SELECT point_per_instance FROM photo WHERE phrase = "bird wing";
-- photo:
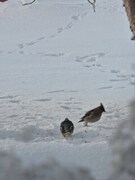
(71, 127)
(89, 113)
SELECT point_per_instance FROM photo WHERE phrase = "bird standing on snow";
(66, 127)
(93, 115)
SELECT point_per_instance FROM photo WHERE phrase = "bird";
(67, 128)
(93, 115)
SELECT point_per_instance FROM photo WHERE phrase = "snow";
(41, 172)
(124, 149)
(59, 59)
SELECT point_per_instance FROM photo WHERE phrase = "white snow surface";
(59, 59)
(124, 149)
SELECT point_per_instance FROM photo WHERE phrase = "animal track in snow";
(119, 76)
(21, 46)
(12, 116)
(90, 60)
(30, 43)
(41, 38)
(54, 54)
(66, 107)
(15, 101)
(8, 97)
(59, 30)
(114, 71)
(62, 90)
(72, 108)
(43, 100)
(70, 24)
(75, 17)
(57, 91)
(105, 87)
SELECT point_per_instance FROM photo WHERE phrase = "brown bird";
(93, 115)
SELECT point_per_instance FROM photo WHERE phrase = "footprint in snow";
(8, 97)
(68, 26)
(15, 101)
(30, 43)
(75, 17)
(41, 38)
(43, 100)
(105, 87)
(21, 46)
(90, 60)
(115, 71)
(59, 30)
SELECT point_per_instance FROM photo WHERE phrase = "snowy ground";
(59, 59)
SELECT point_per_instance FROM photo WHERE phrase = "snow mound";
(12, 168)
(31, 133)
(124, 149)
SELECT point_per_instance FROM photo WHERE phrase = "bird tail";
(81, 120)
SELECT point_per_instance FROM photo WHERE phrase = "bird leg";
(86, 123)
